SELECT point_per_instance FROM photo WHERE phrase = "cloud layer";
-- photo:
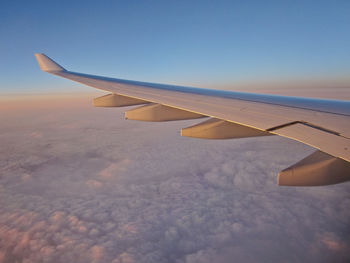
(83, 185)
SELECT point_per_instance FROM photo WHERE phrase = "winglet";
(47, 64)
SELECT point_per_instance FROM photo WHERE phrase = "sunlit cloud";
(79, 187)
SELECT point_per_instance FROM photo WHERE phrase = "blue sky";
(183, 42)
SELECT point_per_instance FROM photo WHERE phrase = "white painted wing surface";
(322, 124)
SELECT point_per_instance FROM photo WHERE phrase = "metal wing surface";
(322, 124)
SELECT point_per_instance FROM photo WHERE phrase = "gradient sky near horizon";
(182, 42)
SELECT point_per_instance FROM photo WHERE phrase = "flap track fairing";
(116, 100)
(221, 129)
(158, 112)
(316, 169)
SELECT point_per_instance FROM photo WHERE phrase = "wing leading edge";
(322, 124)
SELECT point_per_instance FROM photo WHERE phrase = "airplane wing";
(322, 124)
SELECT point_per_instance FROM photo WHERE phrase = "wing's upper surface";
(322, 124)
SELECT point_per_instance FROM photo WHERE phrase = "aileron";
(327, 142)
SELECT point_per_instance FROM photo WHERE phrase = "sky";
(211, 44)
(81, 184)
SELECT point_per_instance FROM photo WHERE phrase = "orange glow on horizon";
(46, 101)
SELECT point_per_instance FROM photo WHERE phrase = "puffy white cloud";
(78, 187)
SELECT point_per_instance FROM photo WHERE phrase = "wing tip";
(47, 64)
